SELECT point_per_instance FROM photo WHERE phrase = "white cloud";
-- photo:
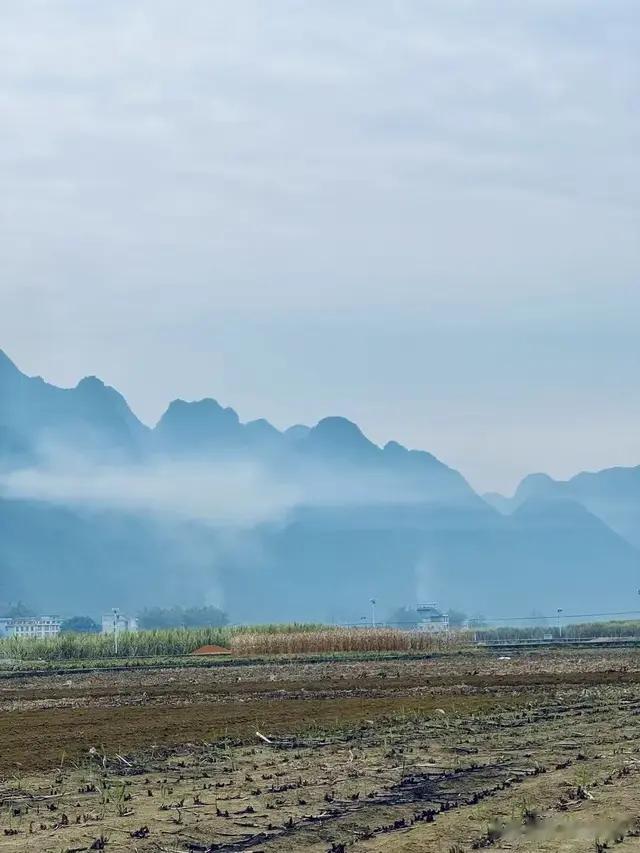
(237, 495)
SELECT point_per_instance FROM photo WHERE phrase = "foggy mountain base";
(98, 510)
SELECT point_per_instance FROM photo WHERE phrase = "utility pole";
(116, 617)
(559, 625)
(373, 613)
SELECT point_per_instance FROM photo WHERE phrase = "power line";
(509, 619)
(555, 616)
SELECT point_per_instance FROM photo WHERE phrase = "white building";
(33, 627)
(116, 621)
(432, 619)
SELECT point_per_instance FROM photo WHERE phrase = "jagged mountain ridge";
(613, 495)
(388, 522)
(93, 419)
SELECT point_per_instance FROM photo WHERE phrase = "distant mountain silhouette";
(36, 416)
(341, 519)
(612, 494)
(546, 555)
(202, 426)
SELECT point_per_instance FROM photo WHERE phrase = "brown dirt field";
(537, 753)
(367, 686)
(39, 739)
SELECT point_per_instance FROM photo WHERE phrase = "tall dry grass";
(244, 640)
(330, 640)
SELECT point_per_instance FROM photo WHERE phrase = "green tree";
(79, 625)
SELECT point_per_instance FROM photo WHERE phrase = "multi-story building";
(116, 621)
(38, 627)
(432, 619)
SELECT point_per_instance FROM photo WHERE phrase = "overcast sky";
(422, 215)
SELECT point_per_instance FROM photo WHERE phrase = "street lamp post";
(373, 613)
(559, 611)
(116, 617)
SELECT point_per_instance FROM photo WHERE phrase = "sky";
(424, 216)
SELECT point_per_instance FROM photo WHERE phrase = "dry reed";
(346, 640)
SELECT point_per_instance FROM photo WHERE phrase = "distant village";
(45, 627)
(429, 618)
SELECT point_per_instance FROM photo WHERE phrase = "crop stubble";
(393, 755)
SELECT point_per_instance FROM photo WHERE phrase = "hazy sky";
(422, 215)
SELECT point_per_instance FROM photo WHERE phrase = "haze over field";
(308, 523)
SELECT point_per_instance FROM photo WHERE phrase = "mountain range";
(99, 510)
(613, 495)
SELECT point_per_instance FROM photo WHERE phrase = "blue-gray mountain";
(351, 520)
(613, 495)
